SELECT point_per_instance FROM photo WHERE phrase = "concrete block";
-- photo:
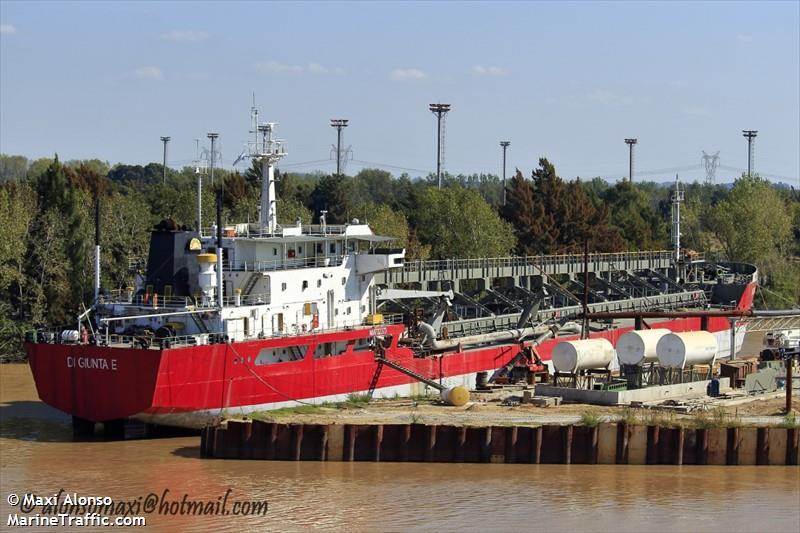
(540, 401)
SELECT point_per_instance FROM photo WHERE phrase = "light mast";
(268, 150)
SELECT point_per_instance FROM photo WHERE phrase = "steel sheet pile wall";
(603, 444)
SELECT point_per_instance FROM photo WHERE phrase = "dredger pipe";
(430, 341)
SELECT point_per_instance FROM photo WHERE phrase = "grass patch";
(590, 418)
(659, 418)
(716, 418)
(630, 415)
(358, 399)
(790, 421)
(288, 411)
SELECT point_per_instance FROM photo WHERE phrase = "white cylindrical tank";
(679, 350)
(207, 279)
(572, 356)
(639, 347)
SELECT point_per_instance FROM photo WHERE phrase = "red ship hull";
(191, 386)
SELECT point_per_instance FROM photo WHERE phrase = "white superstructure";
(274, 280)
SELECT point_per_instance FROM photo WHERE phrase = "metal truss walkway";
(425, 273)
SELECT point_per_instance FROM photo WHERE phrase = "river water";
(38, 456)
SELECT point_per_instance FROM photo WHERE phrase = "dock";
(618, 443)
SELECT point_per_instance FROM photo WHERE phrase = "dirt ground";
(482, 413)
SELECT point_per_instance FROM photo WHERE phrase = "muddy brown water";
(38, 456)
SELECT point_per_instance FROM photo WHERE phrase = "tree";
(12, 167)
(521, 211)
(290, 210)
(17, 211)
(457, 222)
(753, 223)
(60, 199)
(125, 224)
(631, 211)
(551, 216)
(334, 194)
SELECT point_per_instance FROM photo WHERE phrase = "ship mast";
(267, 150)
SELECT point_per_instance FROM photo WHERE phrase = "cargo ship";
(232, 319)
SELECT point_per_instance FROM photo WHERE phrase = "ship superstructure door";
(331, 314)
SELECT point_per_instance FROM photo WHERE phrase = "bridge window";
(319, 283)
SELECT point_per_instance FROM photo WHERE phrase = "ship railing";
(151, 342)
(249, 299)
(256, 231)
(394, 318)
(68, 335)
(541, 261)
(151, 300)
(282, 264)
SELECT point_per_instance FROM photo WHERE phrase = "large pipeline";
(694, 313)
(430, 341)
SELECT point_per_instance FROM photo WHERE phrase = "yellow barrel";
(456, 396)
(206, 258)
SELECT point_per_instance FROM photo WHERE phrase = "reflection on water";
(37, 455)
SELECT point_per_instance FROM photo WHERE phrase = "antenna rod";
(220, 292)
(200, 205)
(165, 140)
(96, 247)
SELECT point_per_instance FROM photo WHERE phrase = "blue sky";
(568, 81)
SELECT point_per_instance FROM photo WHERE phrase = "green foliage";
(333, 194)
(752, 223)
(633, 214)
(551, 216)
(790, 421)
(457, 222)
(289, 211)
(590, 418)
(12, 167)
(358, 399)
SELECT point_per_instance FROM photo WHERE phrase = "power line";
(390, 166)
